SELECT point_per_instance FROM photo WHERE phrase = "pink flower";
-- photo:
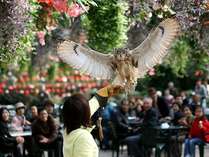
(151, 72)
(41, 37)
(74, 10)
(60, 5)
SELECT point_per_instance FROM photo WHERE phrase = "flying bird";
(124, 66)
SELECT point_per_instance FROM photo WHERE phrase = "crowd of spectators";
(173, 107)
(43, 124)
(129, 117)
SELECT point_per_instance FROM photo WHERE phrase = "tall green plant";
(106, 25)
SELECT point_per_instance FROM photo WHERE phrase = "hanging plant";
(106, 25)
(14, 19)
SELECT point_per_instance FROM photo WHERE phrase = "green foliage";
(52, 72)
(178, 60)
(106, 25)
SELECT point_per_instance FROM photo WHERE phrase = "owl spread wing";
(86, 60)
(154, 48)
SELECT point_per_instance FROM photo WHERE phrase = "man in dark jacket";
(150, 120)
(8, 144)
(159, 103)
(45, 133)
(121, 119)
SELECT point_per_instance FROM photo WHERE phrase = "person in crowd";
(188, 116)
(49, 106)
(201, 90)
(195, 102)
(33, 115)
(198, 133)
(19, 121)
(121, 120)
(8, 144)
(175, 142)
(42, 95)
(178, 115)
(132, 106)
(139, 108)
(185, 98)
(205, 83)
(168, 97)
(173, 91)
(150, 120)
(179, 100)
(159, 103)
(107, 114)
(77, 110)
(45, 133)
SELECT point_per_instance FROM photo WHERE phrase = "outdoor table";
(159, 137)
(134, 122)
(21, 133)
(171, 134)
(171, 130)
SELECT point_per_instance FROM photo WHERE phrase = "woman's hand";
(200, 124)
(44, 140)
(20, 139)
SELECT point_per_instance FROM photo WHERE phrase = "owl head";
(122, 54)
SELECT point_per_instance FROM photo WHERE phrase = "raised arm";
(102, 95)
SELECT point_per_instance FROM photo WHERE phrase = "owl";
(124, 66)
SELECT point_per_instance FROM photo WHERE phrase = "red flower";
(49, 2)
(60, 5)
(74, 10)
(198, 73)
(41, 37)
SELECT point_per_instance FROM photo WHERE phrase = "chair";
(116, 142)
(39, 152)
(152, 138)
(43, 152)
(201, 149)
(6, 155)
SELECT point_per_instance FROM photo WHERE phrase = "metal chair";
(201, 149)
(152, 138)
(6, 155)
(116, 141)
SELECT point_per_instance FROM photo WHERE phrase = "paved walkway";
(124, 154)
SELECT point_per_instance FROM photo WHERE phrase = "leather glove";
(110, 90)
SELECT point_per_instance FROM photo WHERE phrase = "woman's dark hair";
(2, 111)
(41, 109)
(48, 103)
(76, 112)
(187, 106)
(199, 107)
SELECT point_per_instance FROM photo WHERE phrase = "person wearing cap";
(77, 111)
(19, 120)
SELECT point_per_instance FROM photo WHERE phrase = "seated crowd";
(130, 117)
(44, 128)
(174, 108)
